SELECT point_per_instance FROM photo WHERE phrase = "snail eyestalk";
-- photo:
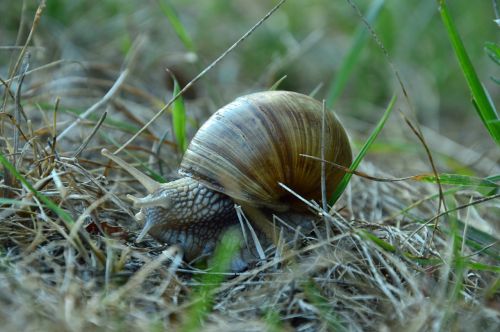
(151, 201)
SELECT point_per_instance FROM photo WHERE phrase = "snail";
(240, 155)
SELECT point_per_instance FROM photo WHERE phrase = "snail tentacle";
(151, 201)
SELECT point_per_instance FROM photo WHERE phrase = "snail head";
(177, 207)
(158, 205)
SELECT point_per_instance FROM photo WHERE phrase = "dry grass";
(371, 265)
(91, 276)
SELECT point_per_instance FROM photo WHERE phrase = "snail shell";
(249, 146)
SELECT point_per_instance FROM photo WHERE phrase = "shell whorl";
(247, 147)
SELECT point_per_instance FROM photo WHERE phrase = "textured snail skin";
(240, 155)
(193, 217)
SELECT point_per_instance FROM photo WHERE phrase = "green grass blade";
(203, 295)
(426, 261)
(378, 241)
(475, 239)
(483, 267)
(324, 306)
(494, 122)
(345, 180)
(273, 321)
(493, 178)
(277, 83)
(455, 261)
(352, 56)
(386, 246)
(458, 180)
(176, 23)
(47, 201)
(493, 51)
(484, 106)
(179, 119)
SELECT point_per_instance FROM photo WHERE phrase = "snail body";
(241, 155)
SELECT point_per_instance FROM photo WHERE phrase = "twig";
(19, 109)
(465, 155)
(477, 201)
(54, 125)
(129, 62)
(107, 97)
(46, 66)
(407, 98)
(36, 20)
(245, 224)
(419, 135)
(200, 75)
(134, 283)
(323, 164)
(7, 88)
(12, 48)
(359, 173)
(90, 136)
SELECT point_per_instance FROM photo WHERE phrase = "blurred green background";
(305, 40)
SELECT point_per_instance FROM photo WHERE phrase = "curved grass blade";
(169, 12)
(47, 201)
(277, 83)
(179, 119)
(347, 177)
(349, 61)
(203, 295)
(484, 106)
(493, 51)
(458, 180)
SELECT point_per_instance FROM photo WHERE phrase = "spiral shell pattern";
(250, 145)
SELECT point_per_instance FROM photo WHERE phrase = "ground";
(389, 254)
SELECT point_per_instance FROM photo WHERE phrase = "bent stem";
(148, 183)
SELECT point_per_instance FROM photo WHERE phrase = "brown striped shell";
(250, 145)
